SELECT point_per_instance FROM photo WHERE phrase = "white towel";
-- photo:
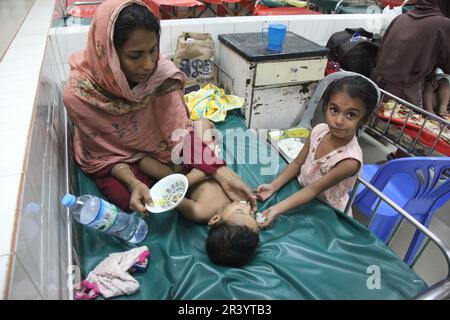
(112, 277)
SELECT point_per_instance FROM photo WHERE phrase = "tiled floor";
(12, 14)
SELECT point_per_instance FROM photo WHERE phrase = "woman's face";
(139, 55)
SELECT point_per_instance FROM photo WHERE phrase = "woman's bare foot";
(430, 110)
(443, 113)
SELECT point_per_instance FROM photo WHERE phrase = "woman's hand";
(270, 214)
(140, 196)
(264, 191)
(234, 187)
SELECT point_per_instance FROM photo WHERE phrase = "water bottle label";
(106, 217)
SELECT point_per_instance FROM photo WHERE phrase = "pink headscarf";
(113, 122)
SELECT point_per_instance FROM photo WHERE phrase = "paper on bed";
(288, 142)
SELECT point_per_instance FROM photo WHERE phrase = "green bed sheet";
(312, 252)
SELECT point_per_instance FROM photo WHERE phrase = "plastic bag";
(195, 57)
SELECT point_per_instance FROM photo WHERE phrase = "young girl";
(331, 158)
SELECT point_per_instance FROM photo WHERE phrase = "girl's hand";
(264, 191)
(140, 196)
(270, 214)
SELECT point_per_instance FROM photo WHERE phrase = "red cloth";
(116, 192)
(82, 10)
(196, 155)
(426, 136)
(156, 4)
(332, 67)
(261, 10)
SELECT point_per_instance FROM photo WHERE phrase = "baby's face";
(239, 213)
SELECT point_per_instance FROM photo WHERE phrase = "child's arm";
(195, 176)
(264, 191)
(158, 170)
(154, 168)
(343, 170)
(194, 211)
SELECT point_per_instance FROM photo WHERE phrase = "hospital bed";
(345, 6)
(42, 259)
(412, 130)
(312, 252)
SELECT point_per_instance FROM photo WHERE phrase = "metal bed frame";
(376, 128)
(382, 129)
(441, 289)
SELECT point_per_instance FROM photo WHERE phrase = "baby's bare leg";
(203, 128)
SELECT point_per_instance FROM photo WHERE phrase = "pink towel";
(112, 277)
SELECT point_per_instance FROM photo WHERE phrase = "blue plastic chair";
(417, 184)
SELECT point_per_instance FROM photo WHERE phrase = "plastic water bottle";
(106, 217)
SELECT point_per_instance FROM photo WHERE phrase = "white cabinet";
(276, 86)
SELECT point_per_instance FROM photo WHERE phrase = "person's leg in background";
(428, 96)
(443, 96)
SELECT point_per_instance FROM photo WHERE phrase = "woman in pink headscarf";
(126, 102)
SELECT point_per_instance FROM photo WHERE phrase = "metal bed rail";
(410, 148)
(440, 290)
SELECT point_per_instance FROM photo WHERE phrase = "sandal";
(444, 115)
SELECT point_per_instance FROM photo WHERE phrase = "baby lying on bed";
(234, 233)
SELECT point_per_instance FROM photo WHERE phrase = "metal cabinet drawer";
(282, 72)
(279, 107)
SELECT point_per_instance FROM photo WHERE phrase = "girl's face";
(139, 55)
(344, 115)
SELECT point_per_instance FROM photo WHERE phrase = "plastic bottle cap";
(69, 200)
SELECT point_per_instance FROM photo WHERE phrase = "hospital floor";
(432, 267)
(12, 14)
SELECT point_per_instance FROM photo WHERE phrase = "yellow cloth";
(211, 103)
(297, 3)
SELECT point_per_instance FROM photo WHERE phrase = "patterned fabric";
(211, 103)
(113, 122)
(314, 169)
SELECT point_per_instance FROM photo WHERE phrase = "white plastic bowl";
(168, 193)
